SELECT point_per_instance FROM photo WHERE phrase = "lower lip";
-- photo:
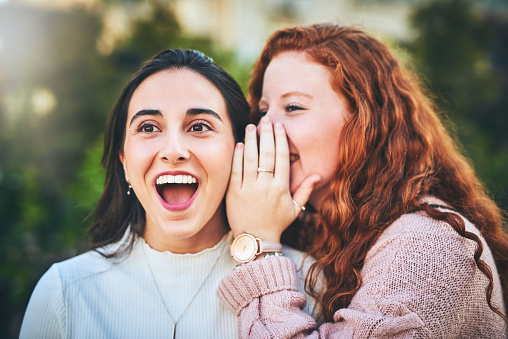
(178, 207)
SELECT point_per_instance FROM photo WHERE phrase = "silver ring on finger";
(298, 205)
(264, 170)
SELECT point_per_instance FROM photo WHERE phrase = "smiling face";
(177, 154)
(297, 92)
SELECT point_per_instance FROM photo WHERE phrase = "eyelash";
(289, 108)
(147, 124)
(206, 124)
(292, 108)
(201, 123)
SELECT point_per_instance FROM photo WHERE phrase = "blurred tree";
(159, 31)
(461, 52)
(51, 109)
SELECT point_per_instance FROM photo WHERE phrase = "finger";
(266, 148)
(235, 182)
(282, 154)
(303, 192)
(250, 156)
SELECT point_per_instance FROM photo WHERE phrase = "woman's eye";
(292, 108)
(148, 128)
(262, 113)
(200, 127)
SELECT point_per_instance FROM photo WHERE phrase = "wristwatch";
(246, 247)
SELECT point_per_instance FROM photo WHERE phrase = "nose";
(175, 148)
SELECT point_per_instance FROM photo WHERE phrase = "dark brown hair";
(394, 150)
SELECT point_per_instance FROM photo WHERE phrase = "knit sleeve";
(415, 285)
(264, 295)
(45, 314)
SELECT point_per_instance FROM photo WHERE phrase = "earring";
(130, 186)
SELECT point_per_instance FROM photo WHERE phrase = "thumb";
(302, 193)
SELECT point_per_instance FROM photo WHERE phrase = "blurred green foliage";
(50, 174)
(462, 54)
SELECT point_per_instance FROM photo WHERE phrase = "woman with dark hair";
(160, 236)
(406, 240)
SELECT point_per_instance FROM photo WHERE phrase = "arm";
(411, 288)
(45, 314)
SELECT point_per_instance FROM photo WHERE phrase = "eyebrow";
(296, 93)
(197, 111)
(293, 93)
(190, 112)
(143, 112)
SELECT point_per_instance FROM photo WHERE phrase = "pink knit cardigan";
(419, 281)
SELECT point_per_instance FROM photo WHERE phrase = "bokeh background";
(64, 62)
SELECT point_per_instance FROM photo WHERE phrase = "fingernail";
(251, 128)
(239, 146)
(278, 126)
(265, 120)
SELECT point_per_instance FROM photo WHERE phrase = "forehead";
(297, 69)
(176, 90)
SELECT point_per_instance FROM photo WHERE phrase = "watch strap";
(269, 246)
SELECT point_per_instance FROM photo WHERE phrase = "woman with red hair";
(407, 242)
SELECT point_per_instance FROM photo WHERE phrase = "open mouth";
(293, 157)
(176, 189)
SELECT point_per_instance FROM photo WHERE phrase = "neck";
(208, 236)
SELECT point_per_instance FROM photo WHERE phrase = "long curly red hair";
(394, 150)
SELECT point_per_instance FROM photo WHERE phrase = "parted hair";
(394, 150)
(117, 212)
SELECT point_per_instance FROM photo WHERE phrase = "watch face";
(244, 248)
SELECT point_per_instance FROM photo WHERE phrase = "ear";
(122, 160)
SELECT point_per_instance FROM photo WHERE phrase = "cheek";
(298, 133)
(318, 148)
(303, 135)
(327, 156)
(138, 156)
(216, 159)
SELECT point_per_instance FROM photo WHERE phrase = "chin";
(176, 231)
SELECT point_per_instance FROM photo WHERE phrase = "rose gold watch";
(246, 247)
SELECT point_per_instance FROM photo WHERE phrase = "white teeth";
(176, 179)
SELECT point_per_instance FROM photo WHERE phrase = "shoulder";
(96, 262)
(424, 266)
(93, 265)
(45, 313)
(82, 266)
(417, 248)
(419, 230)
(76, 268)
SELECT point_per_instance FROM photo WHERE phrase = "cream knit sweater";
(92, 297)
(419, 281)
